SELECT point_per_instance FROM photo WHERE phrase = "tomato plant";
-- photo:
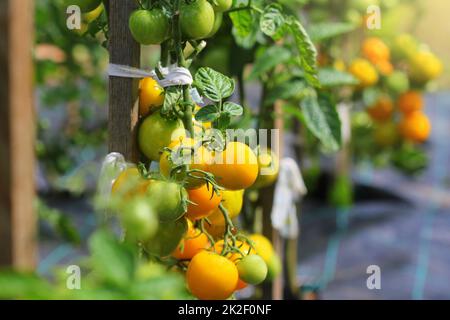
(190, 165)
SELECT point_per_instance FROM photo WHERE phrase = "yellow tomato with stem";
(232, 202)
(192, 243)
(243, 247)
(189, 153)
(203, 201)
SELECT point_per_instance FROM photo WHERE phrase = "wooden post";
(17, 134)
(273, 290)
(123, 109)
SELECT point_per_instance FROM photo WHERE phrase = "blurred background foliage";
(71, 93)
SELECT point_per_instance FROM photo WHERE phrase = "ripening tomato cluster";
(196, 193)
(198, 20)
(397, 79)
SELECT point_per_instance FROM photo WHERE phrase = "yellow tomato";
(185, 151)
(365, 72)
(382, 110)
(211, 277)
(236, 167)
(263, 247)
(425, 66)
(129, 183)
(232, 202)
(415, 127)
(151, 95)
(410, 102)
(192, 243)
(269, 167)
(375, 50)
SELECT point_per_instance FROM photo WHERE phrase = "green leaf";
(329, 77)
(327, 30)
(224, 121)
(233, 109)
(322, 120)
(410, 159)
(272, 57)
(15, 285)
(242, 22)
(285, 91)
(172, 96)
(115, 262)
(207, 114)
(169, 286)
(58, 221)
(272, 20)
(289, 109)
(214, 85)
(308, 53)
(245, 26)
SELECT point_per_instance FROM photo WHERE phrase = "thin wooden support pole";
(123, 109)
(17, 136)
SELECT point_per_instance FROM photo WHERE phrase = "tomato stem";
(203, 230)
(181, 61)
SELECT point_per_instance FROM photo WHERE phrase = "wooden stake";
(17, 134)
(123, 92)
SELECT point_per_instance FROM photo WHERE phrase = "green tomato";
(398, 82)
(252, 269)
(404, 46)
(149, 26)
(150, 270)
(155, 133)
(218, 18)
(168, 199)
(85, 5)
(197, 19)
(274, 267)
(222, 5)
(386, 134)
(167, 238)
(139, 221)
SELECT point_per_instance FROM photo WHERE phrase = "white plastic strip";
(289, 190)
(173, 75)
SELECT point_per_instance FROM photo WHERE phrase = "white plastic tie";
(289, 190)
(173, 75)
